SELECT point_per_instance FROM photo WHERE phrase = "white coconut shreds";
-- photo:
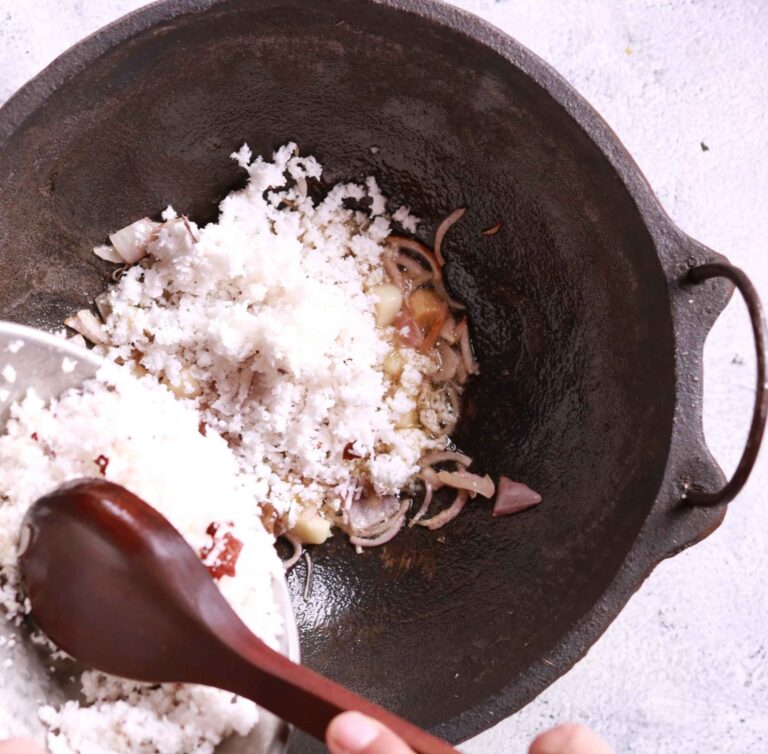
(264, 321)
(141, 437)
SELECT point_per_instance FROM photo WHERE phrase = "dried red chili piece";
(226, 547)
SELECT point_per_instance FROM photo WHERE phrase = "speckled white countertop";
(684, 669)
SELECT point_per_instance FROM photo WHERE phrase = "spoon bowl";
(117, 587)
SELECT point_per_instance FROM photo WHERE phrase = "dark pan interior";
(568, 303)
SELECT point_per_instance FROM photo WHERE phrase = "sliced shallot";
(448, 333)
(461, 373)
(442, 229)
(408, 332)
(392, 270)
(493, 230)
(442, 518)
(466, 348)
(434, 331)
(374, 514)
(429, 475)
(418, 248)
(449, 363)
(383, 526)
(514, 497)
(452, 302)
(442, 456)
(383, 538)
(298, 549)
(87, 325)
(417, 273)
(424, 505)
(463, 480)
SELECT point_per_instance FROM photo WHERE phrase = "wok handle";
(749, 456)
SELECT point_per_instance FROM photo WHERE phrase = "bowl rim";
(87, 365)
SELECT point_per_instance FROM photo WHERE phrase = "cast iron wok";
(588, 325)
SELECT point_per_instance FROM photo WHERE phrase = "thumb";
(569, 738)
(354, 733)
(19, 746)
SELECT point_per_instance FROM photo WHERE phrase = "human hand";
(19, 746)
(353, 733)
(569, 738)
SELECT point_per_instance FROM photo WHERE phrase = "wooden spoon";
(119, 589)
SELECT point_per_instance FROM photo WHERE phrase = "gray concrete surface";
(683, 82)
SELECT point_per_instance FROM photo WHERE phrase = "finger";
(354, 733)
(19, 746)
(569, 739)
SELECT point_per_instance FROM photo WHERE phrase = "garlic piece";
(388, 303)
(313, 530)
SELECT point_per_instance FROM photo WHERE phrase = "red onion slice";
(417, 273)
(461, 373)
(448, 333)
(442, 229)
(493, 230)
(442, 518)
(466, 348)
(429, 475)
(449, 363)
(383, 538)
(463, 480)
(452, 302)
(514, 497)
(369, 511)
(442, 456)
(408, 332)
(424, 505)
(298, 549)
(392, 270)
(418, 248)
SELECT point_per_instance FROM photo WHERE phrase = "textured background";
(684, 669)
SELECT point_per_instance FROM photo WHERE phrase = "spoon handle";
(308, 700)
